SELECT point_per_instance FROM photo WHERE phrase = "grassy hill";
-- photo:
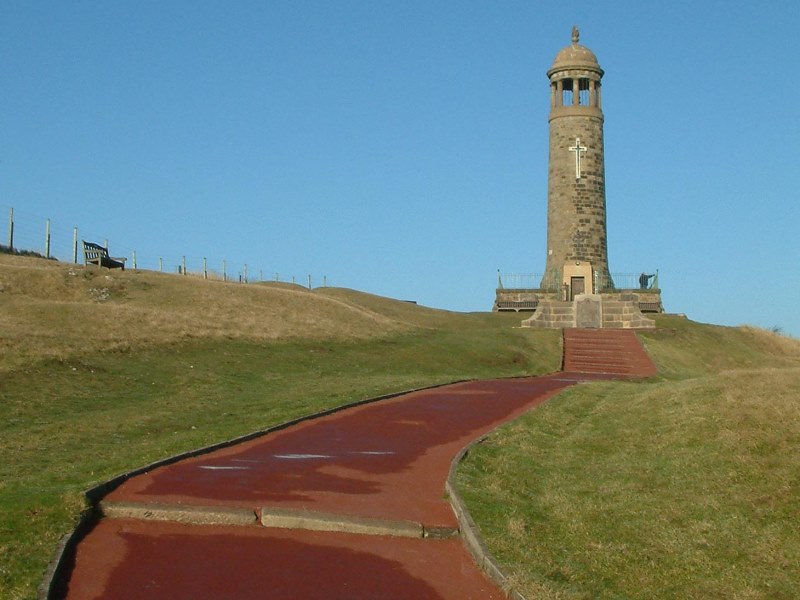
(686, 486)
(102, 371)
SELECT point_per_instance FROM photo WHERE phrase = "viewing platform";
(523, 292)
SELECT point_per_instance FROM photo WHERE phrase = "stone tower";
(577, 255)
(576, 289)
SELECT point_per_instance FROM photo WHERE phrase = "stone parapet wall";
(552, 315)
(624, 314)
(523, 299)
(649, 300)
(520, 299)
(615, 312)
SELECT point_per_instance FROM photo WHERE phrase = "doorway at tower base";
(601, 311)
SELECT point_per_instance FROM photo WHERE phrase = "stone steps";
(606, 351)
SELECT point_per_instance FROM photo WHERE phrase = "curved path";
(284, 515)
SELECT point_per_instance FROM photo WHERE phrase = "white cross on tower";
(577, 149)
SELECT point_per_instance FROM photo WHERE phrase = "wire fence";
(31, 233)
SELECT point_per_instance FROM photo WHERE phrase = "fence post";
(134, 260)
(224, 272)
(245, 273)
(160, 265)
(183, 264)
(47, 239)
(75, 245)
(11, 229)
(324, 281)
(205, 268)
(309, 281)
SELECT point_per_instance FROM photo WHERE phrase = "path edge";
(469, 530)
(54, 577)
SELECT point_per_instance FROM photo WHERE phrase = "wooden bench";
(524, 305)
(95, 254)
(650, 307)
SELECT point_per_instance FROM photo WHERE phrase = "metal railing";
(552, 281)
(636, 281)
(519, 281)
(530, 281)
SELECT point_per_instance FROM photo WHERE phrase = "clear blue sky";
(400, 148)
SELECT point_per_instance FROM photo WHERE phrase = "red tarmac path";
(386, 462)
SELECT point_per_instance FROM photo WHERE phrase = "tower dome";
(575, 56)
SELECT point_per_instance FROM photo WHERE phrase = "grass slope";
(103, 371)
(687, 486)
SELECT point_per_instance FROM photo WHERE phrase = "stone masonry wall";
(576, 210)
(615, 311)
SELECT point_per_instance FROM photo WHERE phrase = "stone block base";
(552, 314)
(590, 311)
(524, 299)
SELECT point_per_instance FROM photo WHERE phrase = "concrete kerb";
(54, 578)
(193, 515)
(469, 531)
(318, 521)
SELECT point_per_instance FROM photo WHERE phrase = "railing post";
(11, 229)
(47, 239)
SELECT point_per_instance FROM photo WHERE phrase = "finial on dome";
(575, 34)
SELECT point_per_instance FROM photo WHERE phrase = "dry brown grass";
(53, 310)
(683, 349)
(771, 342)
